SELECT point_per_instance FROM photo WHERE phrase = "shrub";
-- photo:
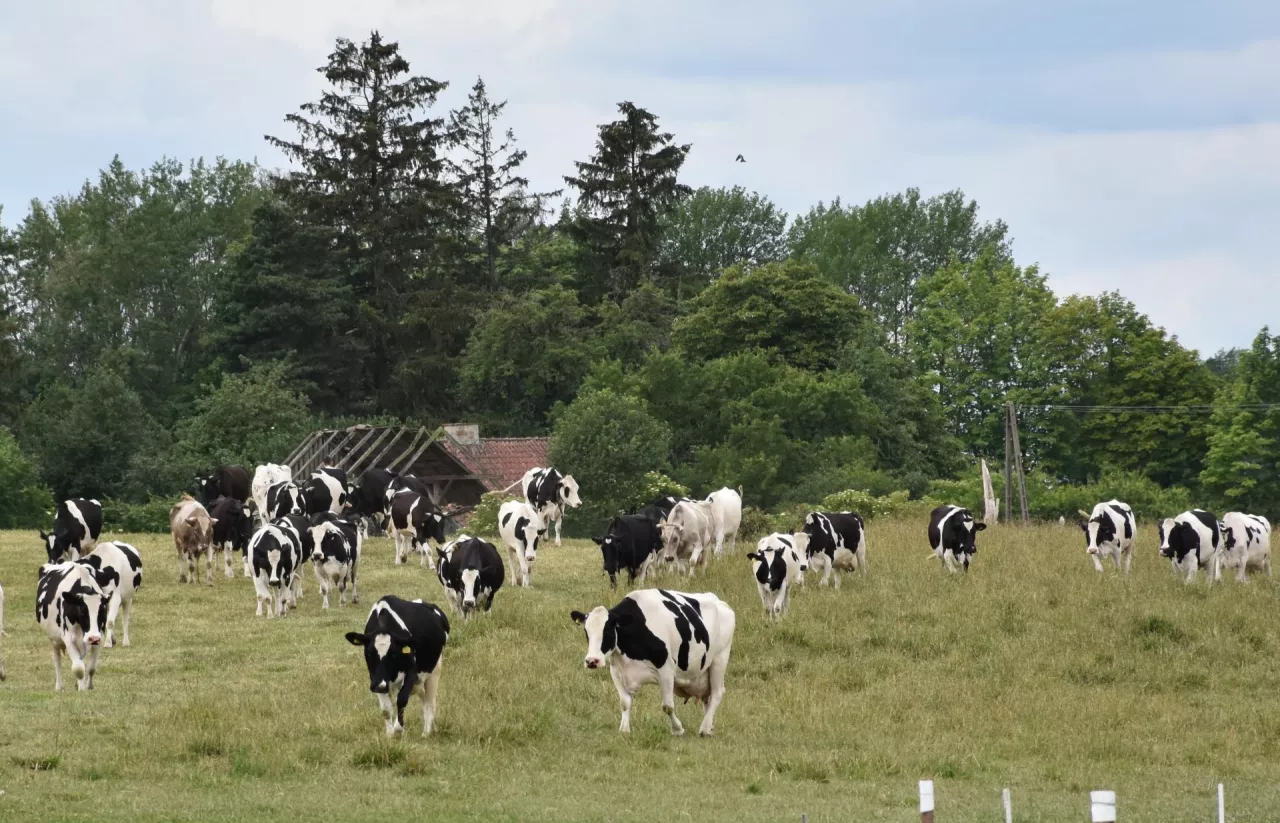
(25, 502)
(865, 504)
(150, 517)
(483, 519)
(755, 522)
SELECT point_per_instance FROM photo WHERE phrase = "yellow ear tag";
(407, 650)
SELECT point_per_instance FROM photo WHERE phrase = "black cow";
(226, 481)
(471, 571)
(631, 542)
(658, 510)
(369, 497)
(403, 644)
(837, 542)
(76, 528)
(232, 530)
(952, 533)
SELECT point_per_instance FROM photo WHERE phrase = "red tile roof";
(499, 461)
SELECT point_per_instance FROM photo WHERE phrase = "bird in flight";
(740, 159)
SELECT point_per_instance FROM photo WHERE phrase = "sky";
(1130, 145)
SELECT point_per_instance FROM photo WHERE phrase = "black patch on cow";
(68, 534)
(1126, 518)
(1210, 522)
(688, 619)
(627, 630)
(506, 518)
(370, 495)
(771, 569)
(225, 481)
(544, 488)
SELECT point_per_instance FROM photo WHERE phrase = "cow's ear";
(578, 617)
(356, 639)
(44, 536)
(1084, 524)
(599, 541)
(977, 527)
(213, 520)
(755, 556)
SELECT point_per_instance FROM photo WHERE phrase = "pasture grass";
(1033, 672)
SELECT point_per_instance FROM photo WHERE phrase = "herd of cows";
(680, 641)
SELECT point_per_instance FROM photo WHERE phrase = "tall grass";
(1032, 672)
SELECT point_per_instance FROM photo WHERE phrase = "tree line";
(160, 321)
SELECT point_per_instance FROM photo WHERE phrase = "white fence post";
(926, 801)
(1008, 806)
(1222, 805)
(1102, 807)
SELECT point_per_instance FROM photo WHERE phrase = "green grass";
(1034, 672)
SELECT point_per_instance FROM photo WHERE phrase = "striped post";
(926, 801)
(1102, 807)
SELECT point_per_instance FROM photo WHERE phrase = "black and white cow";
(1109, 531)
(403, 642)
(264, 477)
(551, 493)
(369, 498)
(837, 542)
(631, 543)
(335, 555)
(324, 492)
(1192, 540)
(1246, 542)
(72, 608)
(76, 528)
(778, 561)
(225, 481)
(276, 554)
(953, 536)
(680, 641)
(471, 571)
(414, 522)
(658, 510)
(299, 527)
(521, 527)
(117, 567)
(232, 529)
(407, 482)
(283, 499)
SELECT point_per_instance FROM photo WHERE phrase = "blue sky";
(1128, 145)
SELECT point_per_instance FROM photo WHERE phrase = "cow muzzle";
(93, 639)
(1092, 550)
(593, 662)
(317, 556)
(379, 688)
(468, 605)
(530, 556)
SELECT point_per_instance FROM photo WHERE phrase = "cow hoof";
(707, 733)
(125, 643)
(677, 732)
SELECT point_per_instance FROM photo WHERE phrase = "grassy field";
(1033, 672)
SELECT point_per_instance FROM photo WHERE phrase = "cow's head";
(83, 610)
(201, 526)
(388, 653)
(601, 628)
(328, 539)
(672, 533)
(1177, 538)
(1099, 532)
(568, 492)
(428, 526)
(966, 533)
(769, 565)
(55, 546)
(529, 528)
(609, 553)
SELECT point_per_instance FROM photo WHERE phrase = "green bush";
(865, 504)
(25, 502)
(150, 517)
(483, 520)
(755, 523)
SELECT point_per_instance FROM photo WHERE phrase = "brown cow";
(192, 529)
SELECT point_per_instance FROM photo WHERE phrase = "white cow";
(726, 517)
(520, 526)
(1246, 541)
(264, 477)
(695, 638)
(778, 561)
(686, 534)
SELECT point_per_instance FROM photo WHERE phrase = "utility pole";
(1013, 469)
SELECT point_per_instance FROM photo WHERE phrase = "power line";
(1149, 409)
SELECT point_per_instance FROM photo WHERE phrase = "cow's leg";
(667, 683)
(1192, 564)
(182, 566)
(226, 560)
(715, 695)
(719, 541)
(624, 697)
(1097, 564)
(57, 666)
(113, 610)
(388, 713)
(836, 574)
(558, 519)
(515, 565)
(429, 699)
(862, 557)
(402, 699)
(400, 552)
(126, 609)
(208, 564)
(244, 555)
(828, 567)
(91, 666)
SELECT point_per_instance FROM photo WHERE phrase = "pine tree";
(373, 180)
(496, 201)
(625, 191)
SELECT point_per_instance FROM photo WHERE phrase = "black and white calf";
(1191, 540)
(232, 530)
(284, 498)
(1109, 532)
(631, 543)
(225, 481)
(403, 644)
(837, 542)
(72, 608)
(778, 561)
(75, 530)
(414, 523)
(680, 641)
(335, 555)
(471, 572)
(550, 493)
(1246, 542)
(299, 527)
(520, 527)
(276, 554)
(953, 536)
(118, 569)
(326, 491)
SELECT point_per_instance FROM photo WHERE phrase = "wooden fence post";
(926, 801)
(1102, 806)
